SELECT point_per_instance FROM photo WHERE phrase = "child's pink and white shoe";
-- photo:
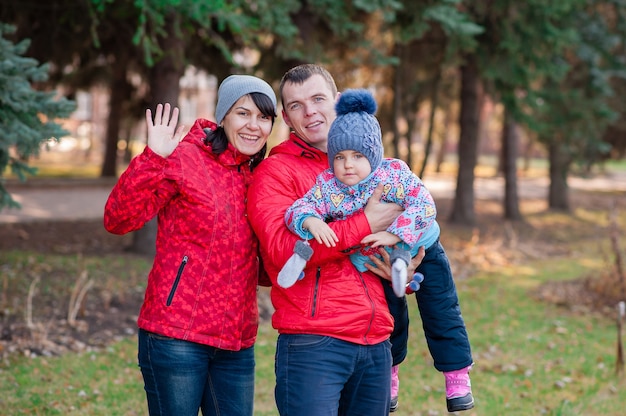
(459, 390)
(395, 387)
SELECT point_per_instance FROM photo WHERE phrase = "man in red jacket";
(333, 352)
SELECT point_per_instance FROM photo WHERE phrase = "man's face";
(309, 110)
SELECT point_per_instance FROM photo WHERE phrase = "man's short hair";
(299, 74)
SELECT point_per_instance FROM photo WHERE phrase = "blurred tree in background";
(28, 118)
(445, 72)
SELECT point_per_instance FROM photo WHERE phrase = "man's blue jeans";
(324, 376)
(182, 377)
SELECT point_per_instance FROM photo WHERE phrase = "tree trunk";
(411, 123)
(397, 106)
(558, 195)
(509, 168)
(434, 102)
(445, 137)
(528, 153)
(164, 88)
(120, 92)
(471, 98)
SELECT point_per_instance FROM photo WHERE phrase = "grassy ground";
(532, 358)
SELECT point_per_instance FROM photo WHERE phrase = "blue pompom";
(351, 101)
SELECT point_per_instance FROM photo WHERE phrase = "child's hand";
(321, 231)
(382, 238)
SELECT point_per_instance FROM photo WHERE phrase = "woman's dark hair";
(218, 140)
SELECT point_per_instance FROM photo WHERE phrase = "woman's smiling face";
(246, 127)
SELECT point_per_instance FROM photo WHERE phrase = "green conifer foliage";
(27, 116)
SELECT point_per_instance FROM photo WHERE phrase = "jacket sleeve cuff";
(149, 156)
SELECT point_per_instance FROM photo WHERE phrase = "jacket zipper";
(170, 298)
(317, 281)
(373, 314)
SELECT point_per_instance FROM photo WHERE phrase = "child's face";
(351, 167)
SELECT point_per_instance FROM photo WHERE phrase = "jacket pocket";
(181, 268)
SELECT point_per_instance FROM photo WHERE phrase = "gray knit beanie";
(356, 128)
(236, 86)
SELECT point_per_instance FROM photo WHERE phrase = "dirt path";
(76, 199)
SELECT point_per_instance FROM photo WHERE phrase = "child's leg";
(399, 337)
(442, 321)
(438, 304)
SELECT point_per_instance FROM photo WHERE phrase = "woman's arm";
(146, 185)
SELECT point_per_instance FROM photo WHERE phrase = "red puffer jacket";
(202, 286)
(333, 299)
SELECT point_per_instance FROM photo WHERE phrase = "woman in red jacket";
(198, 322)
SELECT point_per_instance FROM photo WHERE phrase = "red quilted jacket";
(333, 299)
(202, 286)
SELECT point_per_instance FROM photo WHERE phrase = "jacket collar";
(294, 145)
(230, 157)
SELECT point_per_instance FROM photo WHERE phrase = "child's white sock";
(292, 271)
(398, 277)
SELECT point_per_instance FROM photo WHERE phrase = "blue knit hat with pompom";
(356, 128)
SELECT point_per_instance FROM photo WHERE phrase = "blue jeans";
(181, 377)
(324, 376)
